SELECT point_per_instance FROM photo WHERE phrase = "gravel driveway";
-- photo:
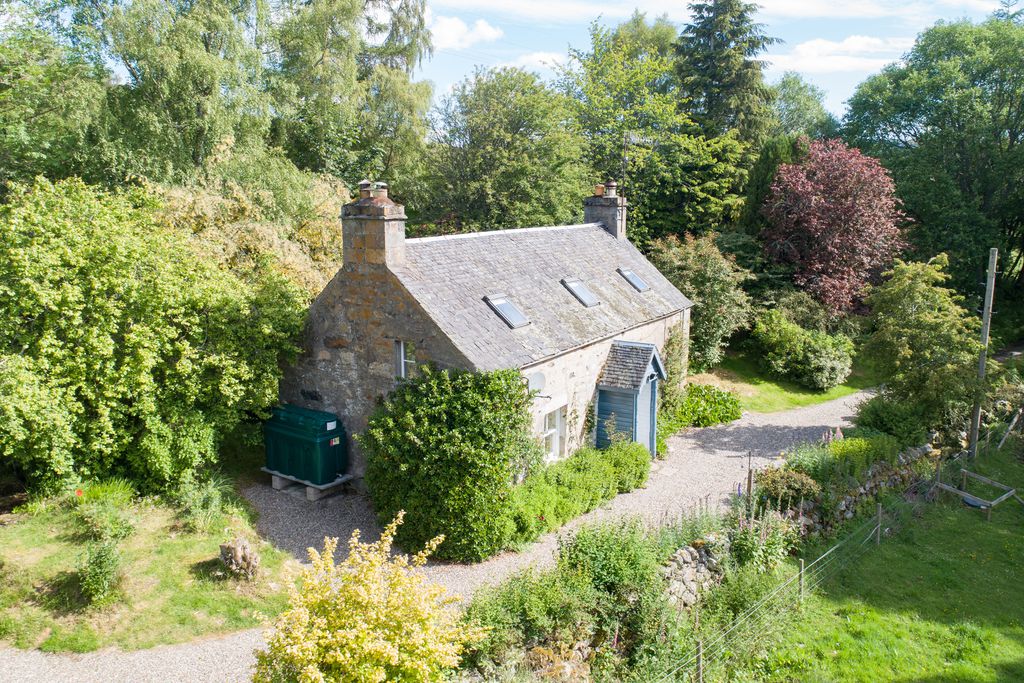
(702, 465)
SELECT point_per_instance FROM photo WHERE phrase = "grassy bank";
(939, 601)
(762, 393)
(173, 587)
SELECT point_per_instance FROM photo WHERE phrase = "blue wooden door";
(619, 407)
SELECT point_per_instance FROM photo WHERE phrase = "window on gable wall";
(405, 359)
(553, 436)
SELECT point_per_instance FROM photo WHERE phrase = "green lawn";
(172, 588)
(943, 600)
(759, 392)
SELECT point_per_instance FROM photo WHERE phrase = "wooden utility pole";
(986, 324)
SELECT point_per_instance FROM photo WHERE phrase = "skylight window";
(634, 279)
(507, 311)
(581, 291)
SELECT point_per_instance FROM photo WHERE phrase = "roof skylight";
(581, 291)
(634, 279)
(507, 311)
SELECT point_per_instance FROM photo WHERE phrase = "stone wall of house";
(570, 379)
(349, 359)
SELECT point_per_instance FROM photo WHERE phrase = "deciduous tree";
(714, 283)
(506, 154)
(835, 218)
(948, 121)
(924, 341)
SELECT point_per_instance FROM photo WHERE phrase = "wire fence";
(754, 625)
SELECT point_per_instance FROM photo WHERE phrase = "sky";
(834, 44)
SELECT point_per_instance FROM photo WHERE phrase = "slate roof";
(450, 276)
(626, 366)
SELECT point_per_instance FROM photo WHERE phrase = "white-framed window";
(405, 359)
(553, 436)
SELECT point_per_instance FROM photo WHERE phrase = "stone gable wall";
(348, 360)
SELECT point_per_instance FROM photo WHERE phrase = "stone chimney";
(607, 208)
(373, 228)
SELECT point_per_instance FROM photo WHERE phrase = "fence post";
(700, 661)
(801, 581)
(963, 480)
(878, 529)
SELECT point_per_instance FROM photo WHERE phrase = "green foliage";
(845, 462)
(925, 342)
(719, 71)
(901, 419)
(814, 359)
(606, 591)
(945, 121)
(123, 349)
(707, 405)
(740, 590)
(200, 503)
(105, 519)
(800, 110)
(675, 355)
(704, 405)
(505, 156)
(714, 283)
(100, 570)
(776, 151)
(528, 610)
(556, 493)
(623, 95)
(763, 541)
(50, 96)
(784, 487)
(446, 447)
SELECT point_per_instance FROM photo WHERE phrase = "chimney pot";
(611, 189)
(599, 190)
(364, 189)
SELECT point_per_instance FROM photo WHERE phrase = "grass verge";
(759, 392)
(172, 590)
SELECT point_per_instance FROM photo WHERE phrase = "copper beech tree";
(835, 218)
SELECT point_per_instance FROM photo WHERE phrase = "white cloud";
(452, 33)
(538, 61)
(852, 54)
(570, 11)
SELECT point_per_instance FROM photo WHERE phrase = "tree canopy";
(835, 218)
(506, 154)
(124, 349)
(721, 79)
(948, 123)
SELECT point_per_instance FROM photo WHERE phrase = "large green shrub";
(783, 487)
(843, 462)
(924, 341)
(812, 358)
(123, 349)
(714, 283)
(446, 447)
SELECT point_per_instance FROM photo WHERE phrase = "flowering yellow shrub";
(371, 618)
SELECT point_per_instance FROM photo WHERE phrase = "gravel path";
(702, 465)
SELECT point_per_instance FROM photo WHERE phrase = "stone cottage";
(576, 308)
